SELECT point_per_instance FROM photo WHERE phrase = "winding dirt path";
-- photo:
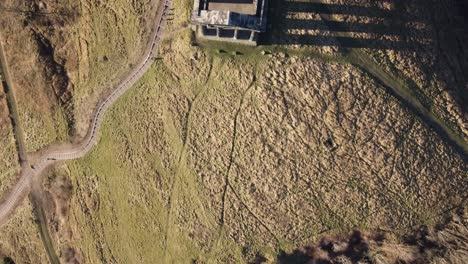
(29, 172)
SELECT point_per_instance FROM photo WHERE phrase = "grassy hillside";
(10, 165)
(220, 154)
(64, 56)
(20, 240)
(254, 155)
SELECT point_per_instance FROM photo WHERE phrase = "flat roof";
(244, 8)
(236, 14)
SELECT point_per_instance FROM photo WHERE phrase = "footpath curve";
(22, 187)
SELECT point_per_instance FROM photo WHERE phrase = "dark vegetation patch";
(55, 71)
(422, 246)
(47, 22)
(70, 255)
(6, 260)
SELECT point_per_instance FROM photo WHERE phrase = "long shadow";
(387, 28)
(337, 9)
(398, 25)
(348, 42)
(359, 27)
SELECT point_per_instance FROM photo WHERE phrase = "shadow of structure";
(354, 250)
(374, 24)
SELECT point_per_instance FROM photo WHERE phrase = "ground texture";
(227, 154)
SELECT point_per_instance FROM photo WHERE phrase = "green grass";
(20, 239)
(254, 53)
(143, 173)
(105, 40)
(9, 166)
(134, 208)
(113, 38)
(140, 195)
(42, 129)
(146, 192)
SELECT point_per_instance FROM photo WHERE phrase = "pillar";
(235, 33)
(252, 35)
(217, 32)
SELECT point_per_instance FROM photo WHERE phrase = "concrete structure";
(230, 20)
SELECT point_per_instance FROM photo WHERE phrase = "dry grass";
(39, 112)
(222, 158)
(206, 163)
(447, 244)
(19, 238)
(9, 166)
(63, 63)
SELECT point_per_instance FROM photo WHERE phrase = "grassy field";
(57, 104)
(9, 166)
(220, 154)
(108, 44)
(222, 158)
(39, 115)
(78, 47)
(20, 240)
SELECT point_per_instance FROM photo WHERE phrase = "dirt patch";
(71, 256)
(55, 72)
(57, 195)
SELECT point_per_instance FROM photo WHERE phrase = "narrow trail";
(11, 100)
(42, 226)
(227, 184)
(35, 197)
(28, 173)
(181, 160)
(233, 149)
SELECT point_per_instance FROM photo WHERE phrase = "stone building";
(230, 20)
